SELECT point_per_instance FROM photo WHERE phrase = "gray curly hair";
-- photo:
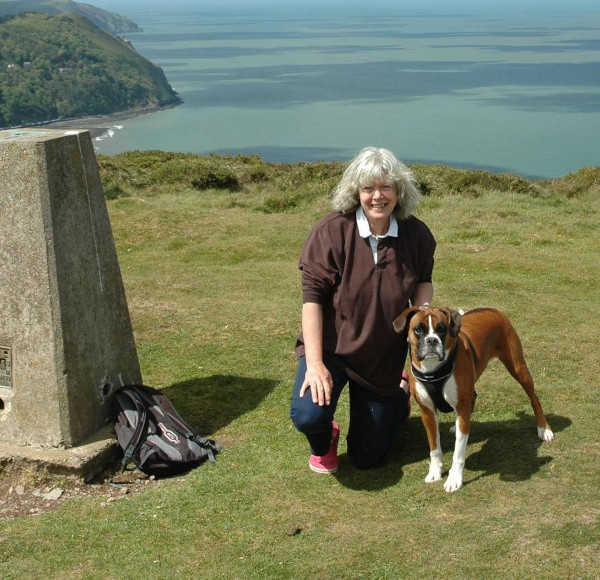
(376, 164)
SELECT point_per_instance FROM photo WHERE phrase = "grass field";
(214, 295)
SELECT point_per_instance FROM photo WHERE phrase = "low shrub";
(113, 190)
(574, 184)
(216, 178)
(279, 204)
(439, 179)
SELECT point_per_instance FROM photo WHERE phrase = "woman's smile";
(379, 205)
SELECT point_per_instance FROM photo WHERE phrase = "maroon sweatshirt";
(361, 298)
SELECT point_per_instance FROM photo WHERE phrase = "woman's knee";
(308, 417)
(310, 420)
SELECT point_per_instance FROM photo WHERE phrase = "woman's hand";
(318, 380)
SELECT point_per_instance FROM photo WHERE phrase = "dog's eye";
(442, 328)
(419, 330)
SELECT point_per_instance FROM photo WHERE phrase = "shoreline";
(100, 125)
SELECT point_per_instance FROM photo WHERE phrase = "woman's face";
(378, 201)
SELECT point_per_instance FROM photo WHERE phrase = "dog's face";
(431, 331)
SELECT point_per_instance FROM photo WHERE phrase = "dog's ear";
(404, 319)
(455, 318)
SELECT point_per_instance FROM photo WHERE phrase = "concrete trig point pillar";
(65, 332)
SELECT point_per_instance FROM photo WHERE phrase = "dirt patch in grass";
(32, 492)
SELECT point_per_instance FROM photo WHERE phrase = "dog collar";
(434, 382)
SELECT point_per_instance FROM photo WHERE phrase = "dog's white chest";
(449, 392)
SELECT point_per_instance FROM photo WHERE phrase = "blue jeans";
(374, 420)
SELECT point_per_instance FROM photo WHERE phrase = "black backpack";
(153, 436)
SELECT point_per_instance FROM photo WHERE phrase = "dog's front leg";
(430, 422)
(455, 475)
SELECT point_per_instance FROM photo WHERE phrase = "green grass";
(214, 295)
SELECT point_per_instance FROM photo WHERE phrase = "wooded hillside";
(63, 66)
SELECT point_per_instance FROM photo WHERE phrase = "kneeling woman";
(362, 265)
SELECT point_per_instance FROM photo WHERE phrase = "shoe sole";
(321, 469)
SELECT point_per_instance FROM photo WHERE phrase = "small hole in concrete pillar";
(1, 405)
(105, 389)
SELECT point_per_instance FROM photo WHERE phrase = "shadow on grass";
(210, 403)
(510, 450)
(390, 473)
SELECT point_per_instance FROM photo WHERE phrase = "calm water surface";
(518, 93)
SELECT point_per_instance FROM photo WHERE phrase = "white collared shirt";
(364, 230)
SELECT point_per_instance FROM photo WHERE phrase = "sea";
(507, 86)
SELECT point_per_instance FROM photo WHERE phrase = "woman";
(361, 267)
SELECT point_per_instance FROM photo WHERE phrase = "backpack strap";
(141, 428)
(144, 457)
(211, 447)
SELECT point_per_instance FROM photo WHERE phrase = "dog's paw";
(454, 482)
(435, 466)
(545, 434)
(433, 475)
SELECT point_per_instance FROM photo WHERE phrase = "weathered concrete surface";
(65, 332)
(87, 460)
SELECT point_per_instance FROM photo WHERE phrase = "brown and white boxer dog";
(449, 351)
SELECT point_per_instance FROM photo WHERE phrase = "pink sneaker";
(327, 463)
